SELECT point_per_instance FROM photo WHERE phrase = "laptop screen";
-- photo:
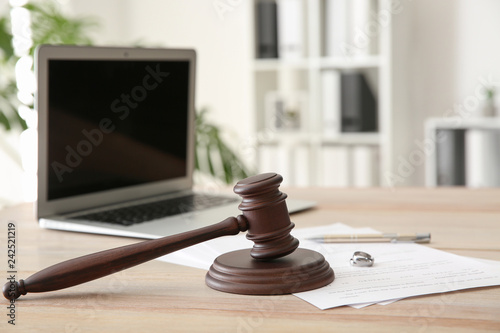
(115, 123)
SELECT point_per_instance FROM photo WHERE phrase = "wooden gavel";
(267, 269)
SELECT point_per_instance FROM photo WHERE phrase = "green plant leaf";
(5, 121)
(208, 139)
(5, 40)
(209, 161)
(50, 26)
(20, 121)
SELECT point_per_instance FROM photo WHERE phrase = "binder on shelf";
(350, 28)
(273, 158)
(335, 27)
(267, 29)
(335, 166)
(289, 160)
(363, 28)
(358, 104)
(330, 102)
(301, 166)
(364, 166)
(291, 29)
(450, 157)
(482, 162)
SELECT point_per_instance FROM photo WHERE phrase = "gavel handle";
(93, 266)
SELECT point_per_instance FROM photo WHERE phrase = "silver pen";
(374, 238)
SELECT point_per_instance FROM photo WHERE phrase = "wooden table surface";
(158, 296)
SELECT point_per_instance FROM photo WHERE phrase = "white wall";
(441, 49)
(478, 48)
(424, 37)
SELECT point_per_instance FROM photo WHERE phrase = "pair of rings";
(362, 259)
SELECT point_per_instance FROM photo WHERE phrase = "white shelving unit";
(476, 156)
(298, 153)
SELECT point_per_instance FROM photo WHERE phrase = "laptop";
(116, 143)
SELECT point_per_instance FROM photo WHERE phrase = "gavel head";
(265, 209)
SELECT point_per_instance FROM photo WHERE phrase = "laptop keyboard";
(145, 212)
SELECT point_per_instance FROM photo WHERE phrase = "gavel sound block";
(273, 266)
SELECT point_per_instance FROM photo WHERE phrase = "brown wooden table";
(157, 296)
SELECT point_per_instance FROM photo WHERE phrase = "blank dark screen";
(113, 124)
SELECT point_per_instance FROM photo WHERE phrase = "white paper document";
(400, 269)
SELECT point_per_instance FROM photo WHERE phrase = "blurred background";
(338, 93)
